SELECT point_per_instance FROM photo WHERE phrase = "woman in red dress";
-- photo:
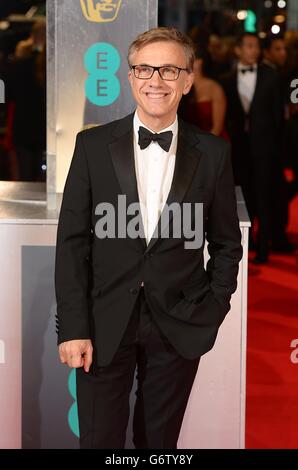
(205, 105)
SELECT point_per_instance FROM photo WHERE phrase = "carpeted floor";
(272, 373)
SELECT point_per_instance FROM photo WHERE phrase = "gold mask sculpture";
(102, 11)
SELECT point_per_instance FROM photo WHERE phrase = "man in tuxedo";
(275, 56)
(144, 302)
(275, 51)
(254, 119)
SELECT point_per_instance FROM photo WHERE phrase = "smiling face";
(157, 100)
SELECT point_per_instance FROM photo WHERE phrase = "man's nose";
(156, 80)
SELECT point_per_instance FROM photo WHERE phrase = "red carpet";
(272, 377)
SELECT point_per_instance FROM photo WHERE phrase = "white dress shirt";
(154, 171)
(246, 85)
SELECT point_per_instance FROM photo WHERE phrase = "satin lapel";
(122, 155)
(257, 88)
(187, 160)
(237, 96)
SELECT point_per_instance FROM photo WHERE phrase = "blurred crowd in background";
(242, 92)
(23, 70)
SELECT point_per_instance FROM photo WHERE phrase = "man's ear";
(189, 83)
(237, 51)
(129, 76)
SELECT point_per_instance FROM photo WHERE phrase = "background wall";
(87, 71)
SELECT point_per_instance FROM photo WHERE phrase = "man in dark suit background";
(145, 301)
(275, 52)
(254, 119)
(275, 56)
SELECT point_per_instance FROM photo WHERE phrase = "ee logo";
(73, 420)
(102, 61)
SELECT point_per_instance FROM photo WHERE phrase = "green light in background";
(250, 22)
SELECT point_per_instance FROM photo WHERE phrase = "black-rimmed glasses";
(166, 72)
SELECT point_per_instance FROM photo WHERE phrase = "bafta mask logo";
(102, 11)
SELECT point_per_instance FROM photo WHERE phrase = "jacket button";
(133, 291)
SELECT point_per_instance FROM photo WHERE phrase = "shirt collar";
(137, 123)
(270, 64)
(242, 66)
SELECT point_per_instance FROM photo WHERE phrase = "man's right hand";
(76, 353)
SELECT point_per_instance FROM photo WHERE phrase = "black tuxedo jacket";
(97, 280)
(263, 122)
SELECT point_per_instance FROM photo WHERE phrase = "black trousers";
(255, 176)
(164, 382)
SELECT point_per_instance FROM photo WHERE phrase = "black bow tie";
(247, 69)
(164, 139)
